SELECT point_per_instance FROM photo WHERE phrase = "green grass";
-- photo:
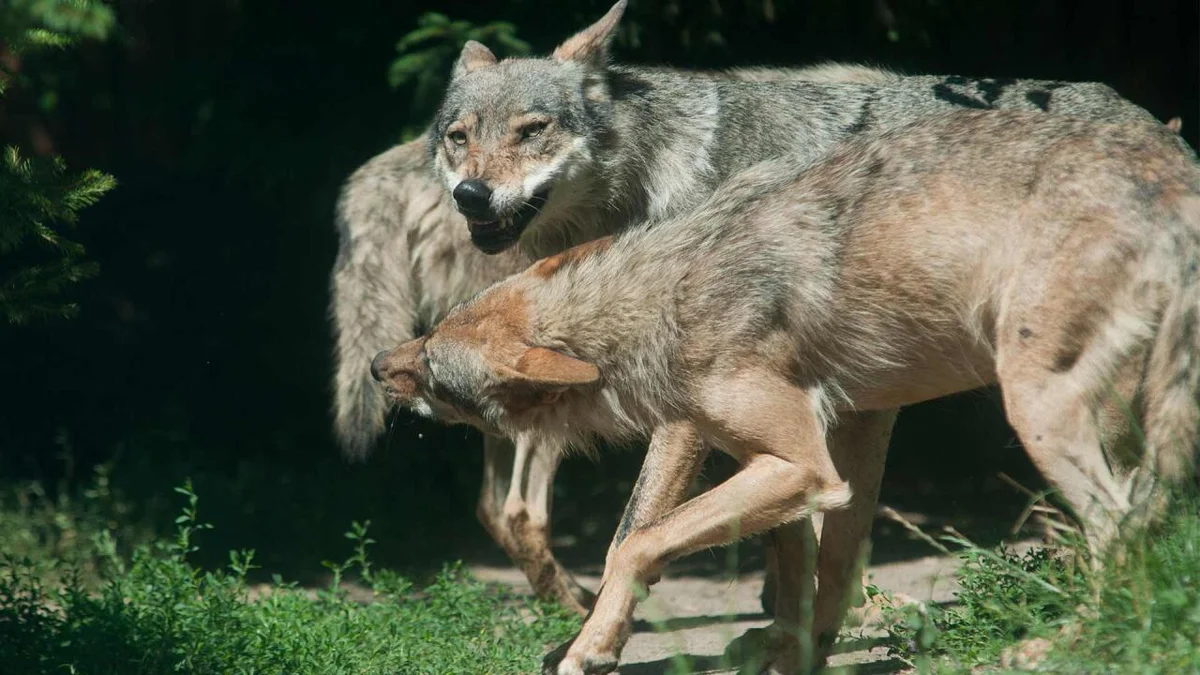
(86, 587)
(83, 525)
(1139, 614)
(158, 613)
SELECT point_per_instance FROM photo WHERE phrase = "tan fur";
(548, 267)
(1050, 255)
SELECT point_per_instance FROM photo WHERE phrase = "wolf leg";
(1061, 437)
(527, 517)
(858, 446)
(673, 460)
(1120, 417)
(514, 508)
(499, 455)
(1063, 335)
(786, 474)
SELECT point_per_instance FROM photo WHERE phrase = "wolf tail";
(372, 301)
(1172, 384)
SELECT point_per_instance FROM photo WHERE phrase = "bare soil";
(698, 613)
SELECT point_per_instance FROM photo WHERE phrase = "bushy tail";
(1173, 375)
(372, 303)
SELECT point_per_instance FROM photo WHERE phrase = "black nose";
(377, 365)
(474, 199)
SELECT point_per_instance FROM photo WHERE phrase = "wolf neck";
(618, 310)
(670, 139)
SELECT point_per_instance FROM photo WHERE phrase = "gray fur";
(652, 142)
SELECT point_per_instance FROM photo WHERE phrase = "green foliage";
(39, 199)
(1138, 614)
(427, 54)
(163, 615)
(1005, 598)
(87, 526)
(27, 26)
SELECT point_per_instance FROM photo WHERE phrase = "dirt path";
(699, 616)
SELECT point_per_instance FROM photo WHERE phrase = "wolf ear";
(547, 368)
(591, 44)
(473, 57)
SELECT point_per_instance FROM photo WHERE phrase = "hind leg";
(1055, 370)
(514, 506)
(1073, 330)
(1120, 418)
(1058, 430)
(858, 446)
(499, 455)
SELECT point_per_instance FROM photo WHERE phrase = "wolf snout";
(397, 371)
(377, 366)
(474, 199)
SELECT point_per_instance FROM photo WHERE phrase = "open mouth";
(495, 236)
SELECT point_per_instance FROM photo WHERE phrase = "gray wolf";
(1047, 254)
(404, 259)
(548, 152)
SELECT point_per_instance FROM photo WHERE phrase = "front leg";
(786, 475)
(499, 456)
(673, 460)
(766, 493)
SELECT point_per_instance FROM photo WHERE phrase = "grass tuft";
(1047, 610)
(157, 613)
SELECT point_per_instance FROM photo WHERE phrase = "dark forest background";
(200, 346)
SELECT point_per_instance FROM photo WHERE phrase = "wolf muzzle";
(474, 200)
(498, 235)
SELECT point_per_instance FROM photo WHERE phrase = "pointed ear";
(473, 57)
(545, 367)
(591, 44)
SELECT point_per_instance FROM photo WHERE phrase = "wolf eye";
(457, 137)
(533, 130)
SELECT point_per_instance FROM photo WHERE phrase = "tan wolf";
(1057, 257)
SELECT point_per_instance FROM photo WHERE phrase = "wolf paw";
(595, 664)
(561, 662)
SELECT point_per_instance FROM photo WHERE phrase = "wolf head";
(478, 367)
(508, 132)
